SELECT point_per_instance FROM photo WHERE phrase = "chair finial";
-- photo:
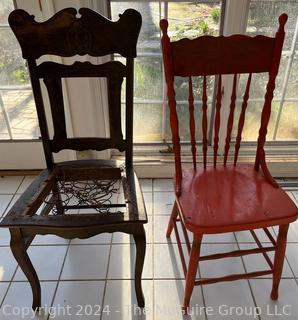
(282, 20)
(164, 26)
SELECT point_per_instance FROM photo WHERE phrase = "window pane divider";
(6, 116)
(286, 80)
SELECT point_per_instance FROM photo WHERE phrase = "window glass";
(263, 19)
(18, 118)
(186, 19)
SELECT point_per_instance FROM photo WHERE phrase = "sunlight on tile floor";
(92, 278)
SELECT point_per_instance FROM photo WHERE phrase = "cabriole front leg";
(18, 248)
(140, 240)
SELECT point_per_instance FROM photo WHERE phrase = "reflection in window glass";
(18, 118)
(288, 125)
(148, 80)
(6, 6)
(149, 38)
(263, 19)
(193, 19)
(147, 124)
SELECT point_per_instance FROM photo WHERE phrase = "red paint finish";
(226, 197)
(231, 199)
(167, 58)
(222, 55)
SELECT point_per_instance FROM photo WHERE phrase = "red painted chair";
(226, 197)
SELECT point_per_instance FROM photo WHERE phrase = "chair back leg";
(279, 259)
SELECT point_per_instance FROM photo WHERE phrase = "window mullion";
(164, 90)
(286, 80)
(235, 20)
(213, 102)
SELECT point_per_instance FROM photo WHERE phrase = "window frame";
(163, 102)
(3, 109)
(238, 10)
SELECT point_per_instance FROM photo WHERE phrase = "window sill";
(162, 166)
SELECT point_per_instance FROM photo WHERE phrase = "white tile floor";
(79, 276)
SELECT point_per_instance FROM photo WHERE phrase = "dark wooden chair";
(228, 197)
(46, 206)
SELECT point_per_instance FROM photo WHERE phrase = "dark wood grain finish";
(81, 144)
(66, 34)
(81, 69)
(114, 71)
(42, 120)
(19, 249)
(41, 208)
(54, 87)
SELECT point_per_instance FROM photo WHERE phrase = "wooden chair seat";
(32, 208)
(232, 198)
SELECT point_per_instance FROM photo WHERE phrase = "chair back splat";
(217, 56)
(67, 35)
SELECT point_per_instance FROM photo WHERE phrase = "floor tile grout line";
(131, 242)
(201, 287)
(175, 279)
(13, 195)
(111, 243)
(107, 272)
(204, 302)
(17, 265)
(294, 276)
(119, 279)
(20, 185)
(286, 258)
(106, 278)
(248, 282)
(153, 252)
(5, 295)
(145, 279)
(10, 282)
(59, 277)
(4, 211)
(120, 243)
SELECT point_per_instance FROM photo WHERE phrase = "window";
(194, 18)
(187, 19)
(18, 118)
(262, 19)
